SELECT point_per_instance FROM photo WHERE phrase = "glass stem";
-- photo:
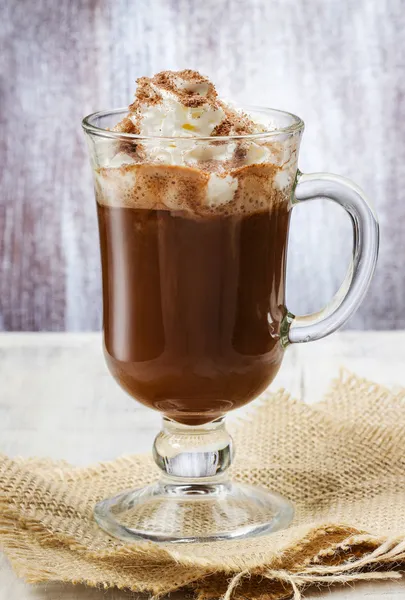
(193, 454)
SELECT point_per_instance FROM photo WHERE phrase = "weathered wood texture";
(339, 64)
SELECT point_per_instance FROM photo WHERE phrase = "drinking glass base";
(193, 512)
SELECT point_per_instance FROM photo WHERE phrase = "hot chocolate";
(193, 199)
(193, 239)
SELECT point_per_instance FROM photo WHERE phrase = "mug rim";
(296, 125)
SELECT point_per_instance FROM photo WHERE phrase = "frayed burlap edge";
(321, 554)
(365, 558)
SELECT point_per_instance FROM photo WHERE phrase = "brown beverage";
(193, 200)
(193, 234)
(193, 305)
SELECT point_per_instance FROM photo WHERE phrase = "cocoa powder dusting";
(151, 181)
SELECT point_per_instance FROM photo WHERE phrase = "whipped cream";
(185, 106)
(170, 118)
(221, 189)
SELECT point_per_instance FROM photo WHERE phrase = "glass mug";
(194, 314)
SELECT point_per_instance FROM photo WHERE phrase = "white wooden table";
(57, 399)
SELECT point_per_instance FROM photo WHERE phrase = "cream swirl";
(185, 106)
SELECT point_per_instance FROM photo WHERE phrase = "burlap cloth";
(341, 461)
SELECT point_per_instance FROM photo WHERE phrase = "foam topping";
(191, 174)
(182, 104)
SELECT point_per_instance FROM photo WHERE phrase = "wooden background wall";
(339, 64)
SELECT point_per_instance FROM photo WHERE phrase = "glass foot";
(197, 512)
(194, 501)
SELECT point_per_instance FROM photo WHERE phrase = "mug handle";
(344, 192)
